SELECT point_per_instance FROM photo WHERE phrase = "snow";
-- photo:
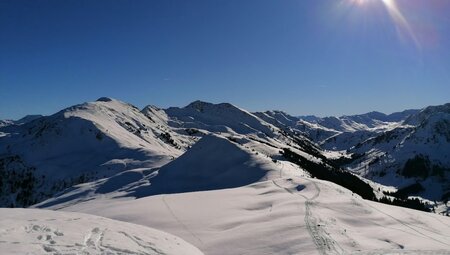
(224, 199)
(31, 231)
(213, 175)
(26, 119)
(5, 123)
(295, 215)
(87, 142)
(212, 163)
(389, 152)
(219, 118)
(227, 164)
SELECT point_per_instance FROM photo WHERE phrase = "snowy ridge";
(106, 138)
(397, 150)
(81, 143)
(228, 165)
(4, 123)
(26, 119)
(219, 118)
(218, 177)
(423, 139)
(277, 199)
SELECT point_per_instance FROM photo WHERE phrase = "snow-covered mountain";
(308, 216)
(350, 130)
(402, 150)
(4, 123)
(370, 120)
(106, 138)
(223, 117)
(100, 139)
(81, 143)
(408, 150)
(223, 179)
(224, 198)
(417, 152)
(28, 118)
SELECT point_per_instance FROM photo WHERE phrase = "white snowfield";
(296, 215)
(210, 174)
(31, 231)
(278, 211)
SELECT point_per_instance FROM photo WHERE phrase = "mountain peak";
(201, 105)
(104, 99)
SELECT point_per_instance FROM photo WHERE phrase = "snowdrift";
(212, 163)
(30, 231)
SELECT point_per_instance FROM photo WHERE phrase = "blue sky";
(323, 57)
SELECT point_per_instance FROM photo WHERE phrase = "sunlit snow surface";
(225, 189)
(31, 231)
(295, 215)
(283, 212)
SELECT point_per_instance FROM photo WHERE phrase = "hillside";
(115, 141)
(28, 231)
(226, 180)
(308, 216)
(416, 152)
(81, 143)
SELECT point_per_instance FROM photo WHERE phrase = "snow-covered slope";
(28, 231)
(417, 151)
(4, 123)
(250, 130)
(218, 177)
(289, 215)
(397, 150)
(346, 131)
(336, 133)
(214, 162)
(26, 119)
(219, 118)
(105, 138)
(81, 143)
(242, 200)
(371, 120)
(298, 127)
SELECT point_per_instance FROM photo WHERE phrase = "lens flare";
(402, 25)
(400, 21)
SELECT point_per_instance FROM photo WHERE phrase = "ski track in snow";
(142, 244)
(409, 226)
(401, 252)
(181, 223)
(324, 243)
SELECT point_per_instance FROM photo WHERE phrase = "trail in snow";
(93, 241)
(324, 243)
(400, 252)
(141, 243)
(180, 222)
(409, 226)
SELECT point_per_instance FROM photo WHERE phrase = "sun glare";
(398, 18)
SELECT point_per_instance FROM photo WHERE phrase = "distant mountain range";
(28, 118)
(117, 147)
(408, 148)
